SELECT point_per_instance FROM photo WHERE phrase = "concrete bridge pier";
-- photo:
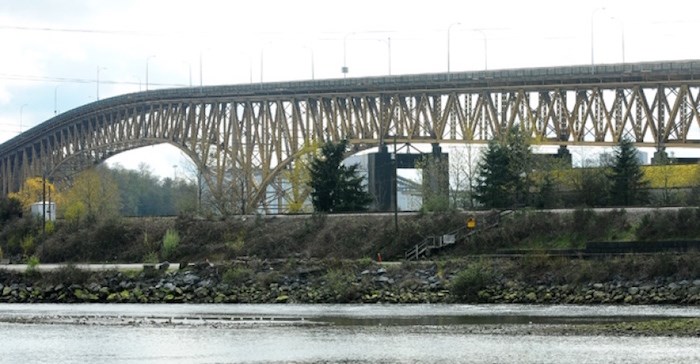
(382, 168)
(660, 156)
(436, 174)
(564, 154)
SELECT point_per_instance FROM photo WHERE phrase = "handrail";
(424, 247)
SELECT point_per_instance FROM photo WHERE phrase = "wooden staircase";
(433, 243)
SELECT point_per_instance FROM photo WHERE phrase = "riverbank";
(631, 279)
(671, 327)
(426, 333)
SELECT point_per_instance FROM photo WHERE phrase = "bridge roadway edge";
(645, 72)
(568, 77)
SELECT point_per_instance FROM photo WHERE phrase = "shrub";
(237, 243)
(74, 212)
(237, 275)
(340, 284)
(10, 208)
(49, 227)
(27, 245)
(69, 274)
(171, 240)
(32, 264)
(267, 278)
(466, 285)
(150, 258)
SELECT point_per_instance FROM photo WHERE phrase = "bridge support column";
(660, 156)
(380, 170)
(436, 179)
(564, 154)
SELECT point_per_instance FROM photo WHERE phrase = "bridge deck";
(243, 136)
(540, 77)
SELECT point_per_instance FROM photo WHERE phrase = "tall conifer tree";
(627, 183)
(336, 187)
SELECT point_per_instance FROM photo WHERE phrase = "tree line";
(506, 174)
(510, 175)
(103, 192)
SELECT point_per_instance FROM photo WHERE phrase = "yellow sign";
(471, 223)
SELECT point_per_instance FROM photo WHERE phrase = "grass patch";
(466, 285)
(237, 276)
(339, 282)
(171, 241)
(665, 327)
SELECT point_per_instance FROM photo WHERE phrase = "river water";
(92, 333)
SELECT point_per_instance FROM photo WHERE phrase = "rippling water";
(325, 333)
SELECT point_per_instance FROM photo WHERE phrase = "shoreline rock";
(311, 282)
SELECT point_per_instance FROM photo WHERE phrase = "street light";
(486, 52)
(189, 69)
(622, 36)
(98, 80)
(262, 58)
(313, 76)
(137, 79)
(148, 59)
(200, 70)
(388, 44)
(593, 38)
(449, 29)
(55, 100)
(21, 109)
(344, 69)
(250, 68)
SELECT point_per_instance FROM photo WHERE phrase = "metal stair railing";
(433, 242)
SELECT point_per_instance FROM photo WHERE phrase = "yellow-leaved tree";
(93, 196)
(298, 176)
(32, 191)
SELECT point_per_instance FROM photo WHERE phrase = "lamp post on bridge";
(345, 69)
(189, 69)
(388, 45)
(593, 37)
(486, 50)
(139, 81)
(476, 30)
(98, 81)
(262, 62)
(262, 59)
(311, 49)
(147, 60)
(622, 36)
(201, 83)
(55, 100)
(449, 30)
(21, 109)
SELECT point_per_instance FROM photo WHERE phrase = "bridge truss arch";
(242, 137)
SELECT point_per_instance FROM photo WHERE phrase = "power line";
(32, 78)
(77, 30)
(153, 34)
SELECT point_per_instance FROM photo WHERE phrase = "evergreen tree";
(504, 171)
(335, 187)
(627, 183)
(492, 188)
(10, 208)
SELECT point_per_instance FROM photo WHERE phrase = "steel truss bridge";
(242, 137)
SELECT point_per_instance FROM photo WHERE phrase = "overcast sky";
(54, 51)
